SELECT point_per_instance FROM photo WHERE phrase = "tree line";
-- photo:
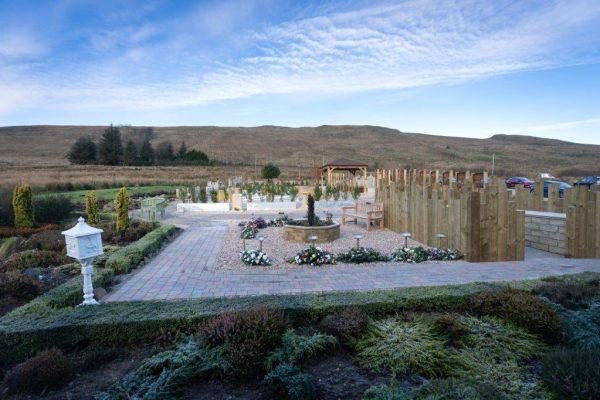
(111, 151)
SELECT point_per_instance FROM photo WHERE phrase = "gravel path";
(278, 248)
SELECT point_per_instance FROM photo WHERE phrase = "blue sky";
(462, 67)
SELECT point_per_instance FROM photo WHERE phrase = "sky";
(470, 68)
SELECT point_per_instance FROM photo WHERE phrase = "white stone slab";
(199, 207)
(275, 205)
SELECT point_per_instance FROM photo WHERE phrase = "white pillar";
(88, 288)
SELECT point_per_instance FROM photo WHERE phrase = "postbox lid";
(81, 229)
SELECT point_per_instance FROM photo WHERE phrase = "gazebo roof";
(344, 162)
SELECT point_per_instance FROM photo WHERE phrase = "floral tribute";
(312, 255)
(419, 254)
(255, 257)
(361, 255)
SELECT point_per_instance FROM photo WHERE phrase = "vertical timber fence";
(480, 217)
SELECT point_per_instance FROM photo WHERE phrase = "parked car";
(562, 186)
(588, 181)
(518, 180)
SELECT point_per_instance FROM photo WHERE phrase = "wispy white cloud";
(386, 46)
(560, 126)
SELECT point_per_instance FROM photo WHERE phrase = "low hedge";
(31, 328)
(125, 259)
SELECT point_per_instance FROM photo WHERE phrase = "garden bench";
(370, 212)
(152, 206)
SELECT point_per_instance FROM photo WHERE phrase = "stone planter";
(301, 234)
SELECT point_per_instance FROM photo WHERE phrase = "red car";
(519, 180)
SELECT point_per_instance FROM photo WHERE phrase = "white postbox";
(84, 243)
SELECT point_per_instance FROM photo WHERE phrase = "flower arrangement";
(279, 221)
(361, 255)
(255, 257)
(312, 255)
(419, 254)
(249, 231)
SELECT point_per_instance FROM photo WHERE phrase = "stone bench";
(367, 211)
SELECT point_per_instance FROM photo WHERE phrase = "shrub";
(91, 208)
(7, 214)
(581, 327)
(34, 258)
(255, 257)
(571, 295)
(446, 389)
(356, 192)
(126, 258)
(25, 232)
(49, 369)
(312, 255)
(20, 286)
(348, 324)
(451, 327)
(407, 347)
(52, 209)
(47, 240)
(122, 208)
(573, 373)
(136, 230)
(293, 193)
(22, 202)
(361, 255)
(522, 309)
(318, 193)
(8, 247)
(298, 385)
(164, 375)
(249, 335)
(295, 348)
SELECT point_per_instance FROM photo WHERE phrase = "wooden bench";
(370, 212)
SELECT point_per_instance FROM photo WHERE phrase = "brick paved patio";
(185, 270)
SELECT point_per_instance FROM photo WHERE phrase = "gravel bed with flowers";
(279, 249)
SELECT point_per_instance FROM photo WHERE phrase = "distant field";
(36, 154)
(78, 196)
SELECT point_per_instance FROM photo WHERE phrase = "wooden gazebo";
(335, 170)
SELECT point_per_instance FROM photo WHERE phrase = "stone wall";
(546, 231)
(301, 234)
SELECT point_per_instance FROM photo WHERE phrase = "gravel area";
(385, 241)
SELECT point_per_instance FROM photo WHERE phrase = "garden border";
(25, 331)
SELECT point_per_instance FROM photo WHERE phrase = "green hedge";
(125, 259)
(28, 329)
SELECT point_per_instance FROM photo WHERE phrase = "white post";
(88, 287)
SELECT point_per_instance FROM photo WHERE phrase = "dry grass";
(301, 149)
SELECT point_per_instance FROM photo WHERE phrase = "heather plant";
(49, 369)
(91, 208)
(122, 207)
(573, 373)
(250, 335)
(346, 325)
(23, 208)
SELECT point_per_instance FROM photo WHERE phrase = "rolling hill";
(311, 146)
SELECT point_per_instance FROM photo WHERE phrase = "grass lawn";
(78, 196)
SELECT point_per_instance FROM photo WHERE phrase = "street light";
(312, 240)
(260, 239)
(84, 243)
(440, 236)
(358, 237)
(405, 235)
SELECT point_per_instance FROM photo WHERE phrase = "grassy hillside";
(302, 148)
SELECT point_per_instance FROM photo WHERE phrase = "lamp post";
(405, 235)
(260, 240)
(84, 243)
(312, 240)
(440, 236)
(358, 237)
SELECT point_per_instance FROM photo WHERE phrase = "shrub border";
(29, 329)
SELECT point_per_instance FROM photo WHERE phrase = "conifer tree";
(182, 151)
(146, 156)
(91, 208)
(130, 153)
(83, 151)
(22, 203)
(110, 150)
(122, 207)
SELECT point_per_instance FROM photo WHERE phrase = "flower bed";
(361, 255)
(314, 256)
(419, 254)
(255, 257)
